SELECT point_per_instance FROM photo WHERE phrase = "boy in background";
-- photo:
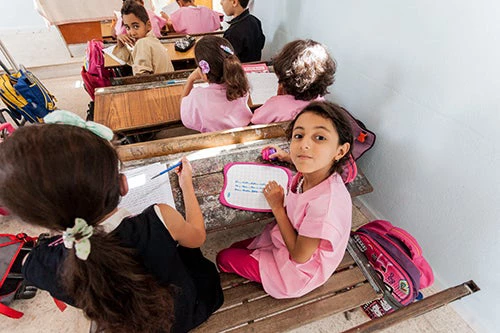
(244, 32)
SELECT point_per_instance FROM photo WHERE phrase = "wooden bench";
(247, 308)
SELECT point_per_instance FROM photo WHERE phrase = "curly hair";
(305, 69)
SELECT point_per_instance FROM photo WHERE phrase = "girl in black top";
(142, 273)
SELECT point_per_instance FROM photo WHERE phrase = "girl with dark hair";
(305, 70)
(223, 104)
(142, 273)
(302, 248)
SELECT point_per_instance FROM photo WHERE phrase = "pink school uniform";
(324, 212)
(280, 108)
(195, 20)
(206, 109)
(157, 23)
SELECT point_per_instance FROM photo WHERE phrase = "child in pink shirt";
(302, 248)
(223, 104)
(192, 19)
(305, 70)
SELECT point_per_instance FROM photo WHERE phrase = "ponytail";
(52, 174)
(114, 291)
(235, 78)
(223, 65)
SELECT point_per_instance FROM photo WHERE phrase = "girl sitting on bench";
(302, 248)
(142, 273)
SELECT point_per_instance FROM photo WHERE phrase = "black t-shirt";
(246, 37)
(197, 290)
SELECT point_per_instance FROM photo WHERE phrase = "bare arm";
(301, 248)
(191, 231)
(194, 76)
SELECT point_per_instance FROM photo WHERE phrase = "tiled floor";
(41, 315)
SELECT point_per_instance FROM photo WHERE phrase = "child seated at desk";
(192, 19)
(223, 104)
(119, 31)
(300, 250)
(128, 273)
(244, 32)
(305, 70)
(147, 55)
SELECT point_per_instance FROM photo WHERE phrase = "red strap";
(10, 312)
(60, 304)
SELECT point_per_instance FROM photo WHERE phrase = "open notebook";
(144, 191)
(262, 87)
(244, 182)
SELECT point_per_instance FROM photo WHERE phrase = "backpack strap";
(10, 312)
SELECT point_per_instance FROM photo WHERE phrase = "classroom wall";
(425, 77)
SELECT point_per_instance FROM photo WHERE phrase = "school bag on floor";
(94, 74)
(13, 249)
(25, 97)
(397, 258)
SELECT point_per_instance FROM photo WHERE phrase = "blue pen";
(174, 81)
(172, 167)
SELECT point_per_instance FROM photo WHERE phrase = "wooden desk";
(209, 153)
(172, 54)
(138, 106)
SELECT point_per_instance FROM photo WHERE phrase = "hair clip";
(205, 67)
(80, 243)
(227, 49)
(69, 118)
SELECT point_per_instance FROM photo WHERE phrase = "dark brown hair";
(133, 7)
(244, 3)
(340, 122)
(51, 174)
(305, 69)
(224, 67)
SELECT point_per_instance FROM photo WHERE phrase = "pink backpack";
(364, 139)
(397, 258)
(94, 74)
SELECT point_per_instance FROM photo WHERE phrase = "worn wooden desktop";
(138, 107)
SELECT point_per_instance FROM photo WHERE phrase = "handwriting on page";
(143, 191)
(245, 183)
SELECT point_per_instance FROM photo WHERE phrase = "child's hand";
(196, 75)
(280, 154)
(125, 39)
(274, 194)
(185, 173)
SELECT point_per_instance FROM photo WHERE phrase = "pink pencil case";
(245, 181)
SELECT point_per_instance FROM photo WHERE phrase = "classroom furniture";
(138, 107)
(247, 308)
(180, 60)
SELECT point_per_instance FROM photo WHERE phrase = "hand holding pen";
(170, 168)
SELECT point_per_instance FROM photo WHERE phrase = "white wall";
(424, 75)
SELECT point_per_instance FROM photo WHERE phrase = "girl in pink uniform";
(302, 248)
(223, 104)
(305, 70)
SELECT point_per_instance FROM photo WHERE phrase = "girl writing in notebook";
(223, 103)
(304, 70)
(146, 54)
(302, 248)
(142, 273)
